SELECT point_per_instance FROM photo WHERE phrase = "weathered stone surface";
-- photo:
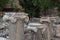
(1, 38)
(15, 25)
(58, 31)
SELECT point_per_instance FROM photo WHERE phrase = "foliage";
(31, 7)
(57, 4)
(58, 14)
(12, 3)
(3, 4)
(34, 7)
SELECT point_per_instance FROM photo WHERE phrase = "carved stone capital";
(21, 15)
(13, 17)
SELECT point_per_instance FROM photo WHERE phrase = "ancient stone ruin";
(15, 24)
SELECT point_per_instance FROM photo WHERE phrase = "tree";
(45, 5)
(31, 7)
(14, 4)
(3, 4)
(17, 4)
(39, 6)
(57, 4)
